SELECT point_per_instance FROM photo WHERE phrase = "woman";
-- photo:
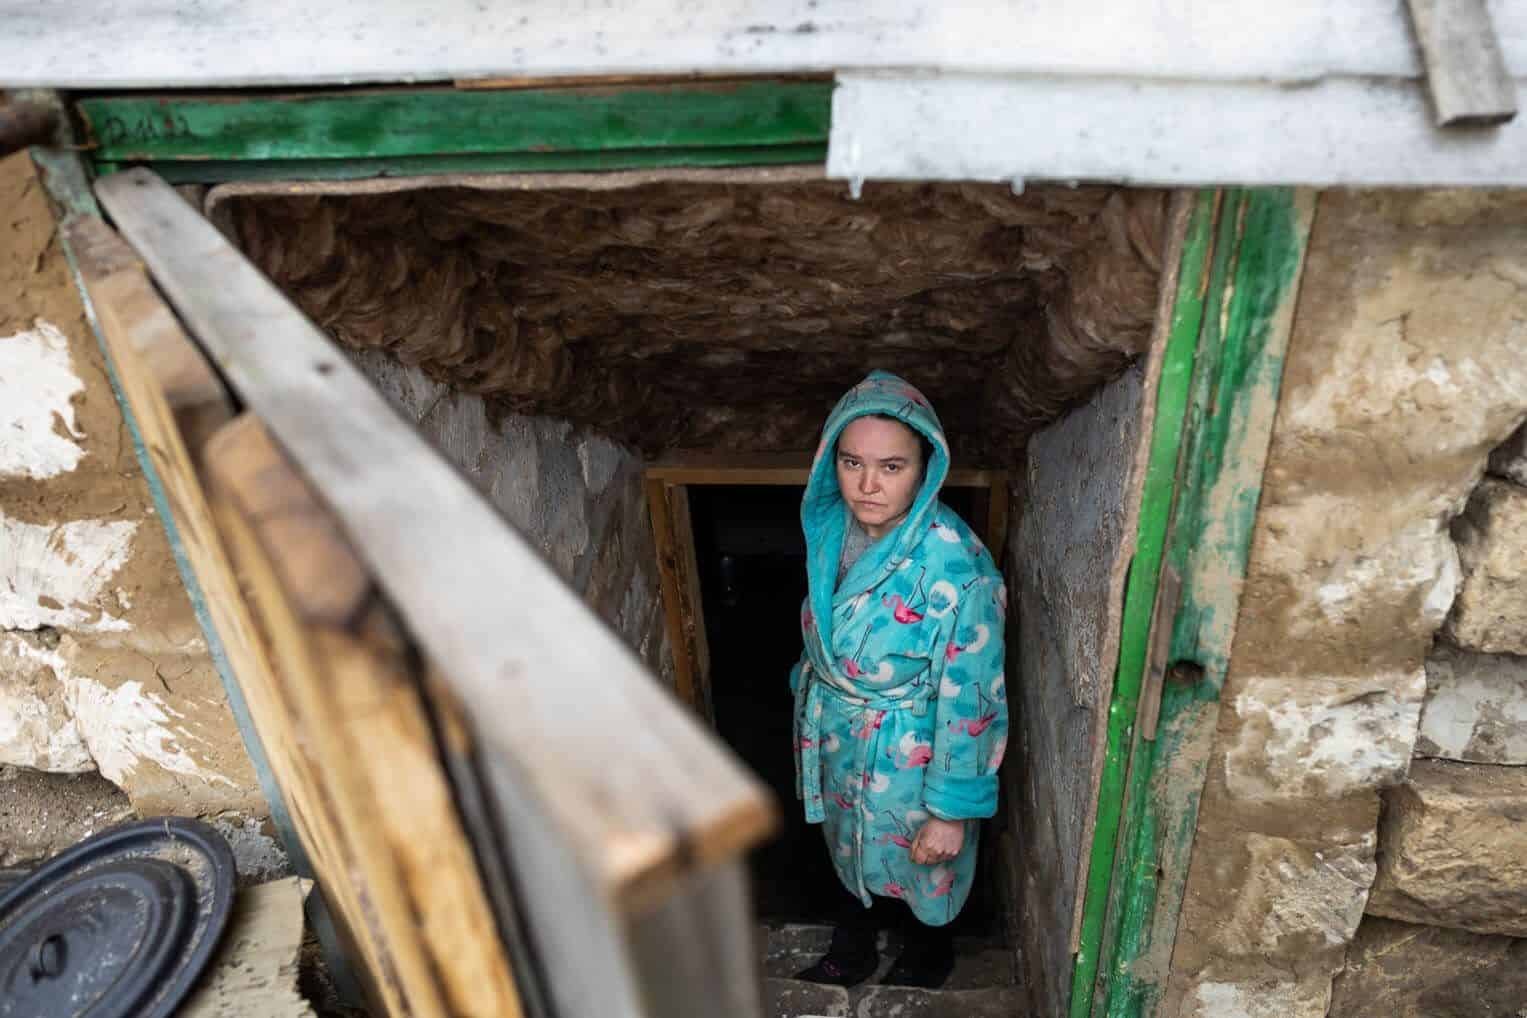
(900, 709)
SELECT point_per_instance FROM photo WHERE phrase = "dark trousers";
(855, 929)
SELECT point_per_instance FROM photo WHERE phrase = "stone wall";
(1446, 929)
(109, 702)
(577, 497)
(1404, 370)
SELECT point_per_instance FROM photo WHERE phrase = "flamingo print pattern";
(901, 713)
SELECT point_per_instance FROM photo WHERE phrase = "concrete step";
(791, 998)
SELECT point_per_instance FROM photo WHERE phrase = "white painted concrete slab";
(1340, 131)
(157, 43)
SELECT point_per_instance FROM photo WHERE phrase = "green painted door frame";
(1216, 397)
(1216, 402)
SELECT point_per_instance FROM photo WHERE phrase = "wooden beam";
(777, 468)
(409, 883)
(691, 601)
(671, 585)
(405, 131)
(998, 501)
(175, 401)
(548, 688)
(254, 972)
(1465, 71)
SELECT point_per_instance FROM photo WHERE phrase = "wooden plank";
(175, 401)
(459, 753)
(1232, 415)
(171, 401)
(617, 80)
(1177, 345)
(1156, 660)
(671, 586)
(351, 677)
(1465, 70)
(549, 688)
(269, 522)
(254, 972)
(777, 468)
(997, 504)
(810, 155)
(429, 122)
(691, 601)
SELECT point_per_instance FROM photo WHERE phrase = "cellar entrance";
(564, 339)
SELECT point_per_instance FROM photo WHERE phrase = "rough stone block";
(1509, 460)
(1295, 894)
(1240, 997)
(791, 998)
(1476, 707)
(1453, 848)
(1490, 612)
(1321, 736)
(1404, 370)
(1399, 970)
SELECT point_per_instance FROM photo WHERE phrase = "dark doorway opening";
(751, 558)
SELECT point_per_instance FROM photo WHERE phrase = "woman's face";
(880, 468)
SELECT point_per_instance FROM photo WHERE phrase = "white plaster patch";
(128, 724)
(37, 731)
(54, 574)
(1324, 736)
(38, 434)
(1223, 1000)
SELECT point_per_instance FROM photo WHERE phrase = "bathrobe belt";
(816, 692)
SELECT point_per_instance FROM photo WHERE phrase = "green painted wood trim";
(1228, 430)
(217, 172)
(1140, 589)
(408, 124)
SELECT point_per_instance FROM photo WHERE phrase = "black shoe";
(924, 967)
(835, 969)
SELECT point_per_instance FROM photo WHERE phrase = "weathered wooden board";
(352, 683)
(696, 646)
(1465, 72)
(666, 540)
(543, 681)
(1248, 313)
(176, 401)
(777, 468)
(254, 972)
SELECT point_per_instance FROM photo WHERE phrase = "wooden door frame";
(667, 483)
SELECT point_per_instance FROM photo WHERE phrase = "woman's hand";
(937, 841)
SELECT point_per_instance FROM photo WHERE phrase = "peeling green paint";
(1140, 589)
(405, 132)
(1226, 429)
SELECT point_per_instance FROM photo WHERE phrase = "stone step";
(791, 998)
(979, 964)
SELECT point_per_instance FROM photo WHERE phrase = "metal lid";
(118, 926)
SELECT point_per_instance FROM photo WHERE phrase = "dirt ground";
(42, 814)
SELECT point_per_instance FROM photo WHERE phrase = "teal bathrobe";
(900, 707)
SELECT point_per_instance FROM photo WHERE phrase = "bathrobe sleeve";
(970, 733)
